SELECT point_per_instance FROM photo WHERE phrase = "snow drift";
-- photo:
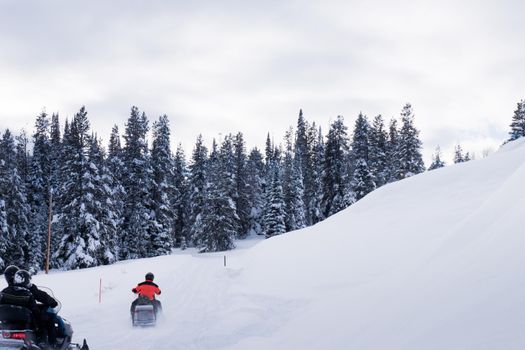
(435, 261)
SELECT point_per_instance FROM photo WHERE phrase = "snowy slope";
(435, 261)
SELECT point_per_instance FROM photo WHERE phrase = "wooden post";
(225, 261)
(100, 291)
(50, 218)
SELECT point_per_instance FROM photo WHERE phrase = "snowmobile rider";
(20, 286)
(148, 290)
(17, 295)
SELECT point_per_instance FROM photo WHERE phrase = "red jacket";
(147, 289)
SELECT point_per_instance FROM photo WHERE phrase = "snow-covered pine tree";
(241, 196)
(274, 214)
(81, 210)
(293, 190)
(4, 231)
(304, 147)
(181, 174)
(392, 152)
(255, 170)
(81, 228)
(297, 208)
(23, 159)
(362, 181)
(55, 145)
(269, 152)
(335, 172)
(436, 160)
(103, 203)
(56, 176)
(197, 190)
(38, 192)
(61, 196)
(378, 151)
(316, 148)
(288, 190)
(163, 190)
(114, 177)
(219, 215)
(517, 127)
(458, 154)
(411, 160)
(137, 184)
(17, 210)
(227, 170)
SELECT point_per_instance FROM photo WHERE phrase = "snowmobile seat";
(144, 315)
(15, 317)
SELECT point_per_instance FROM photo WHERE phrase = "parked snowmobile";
(19, 331)
(144, 314)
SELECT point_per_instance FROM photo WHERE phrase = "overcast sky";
(225, 66)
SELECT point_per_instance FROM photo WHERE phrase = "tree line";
(137, 199)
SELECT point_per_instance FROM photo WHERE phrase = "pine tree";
(436, 160)
(411, 160)
(80, 238)
(392, 151)
(518, 122)
(458, 154)
(17, 210)
(293, 190)
(197, 191)
(103, 202)
(180, 203)
(137, 183)
(287, 168)
(362, 181)
(241, 196)
(297, 209)
(335, 174)
(114, 178)
(81, 229)
(269, 152)
(163, 190)
(275, 215)
(255, 173)
(38, 193)
(4, 231)
(55, 155)
(315, 198)
(378, 139)
(23, 159)
(219, 216)
(305, 138)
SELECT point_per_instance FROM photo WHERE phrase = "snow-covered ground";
(436, 261)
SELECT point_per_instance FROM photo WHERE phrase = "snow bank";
(432, 262)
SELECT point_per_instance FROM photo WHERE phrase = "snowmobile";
(18, 331)
(144, 314)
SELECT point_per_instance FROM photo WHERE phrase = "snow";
(435, 261)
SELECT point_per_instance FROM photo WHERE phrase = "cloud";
(216, 67)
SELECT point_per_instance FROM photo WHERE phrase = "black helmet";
(22, 278)
(9, 273)
(150, 276)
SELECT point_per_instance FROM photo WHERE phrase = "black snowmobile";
(145, 313)
(19, 331)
